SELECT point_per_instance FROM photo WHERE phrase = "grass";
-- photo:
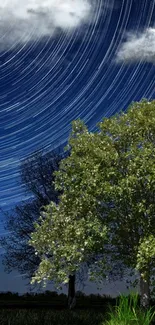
(49, 317)
(126, 312)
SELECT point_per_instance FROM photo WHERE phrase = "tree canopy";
(108, 201)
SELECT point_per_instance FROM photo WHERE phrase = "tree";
(71, 229)
(37, 173)
(131, 188)
(37, 177)
(60, 235)
(126, 178)
(107, 204)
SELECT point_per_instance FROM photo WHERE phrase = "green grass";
(126, 312)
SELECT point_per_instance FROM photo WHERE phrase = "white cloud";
(140, 47)
(24, 20)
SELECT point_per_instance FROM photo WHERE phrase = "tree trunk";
(144, 292)
(71, 292)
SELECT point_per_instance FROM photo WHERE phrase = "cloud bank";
(140, 47)
(26, 20)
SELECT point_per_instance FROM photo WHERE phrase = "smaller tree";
(73, 231)
(64, 243)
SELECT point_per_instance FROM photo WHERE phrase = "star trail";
(63, 60)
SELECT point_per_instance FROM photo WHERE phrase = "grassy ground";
(126, 312)
(47, 317)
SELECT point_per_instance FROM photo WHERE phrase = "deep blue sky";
(66, 60)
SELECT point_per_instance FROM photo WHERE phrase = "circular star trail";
(66, 60)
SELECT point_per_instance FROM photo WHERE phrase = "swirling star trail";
(61, 60)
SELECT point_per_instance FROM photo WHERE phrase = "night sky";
(61, 60)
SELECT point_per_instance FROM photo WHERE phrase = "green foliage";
(127, 312)
(68, 242)
(146, 252)
(108, 200)
(131, 184)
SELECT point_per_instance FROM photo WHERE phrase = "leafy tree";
(71, 243)
(37, 177)
(107, 204)
(71, 229)
(130, 188)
